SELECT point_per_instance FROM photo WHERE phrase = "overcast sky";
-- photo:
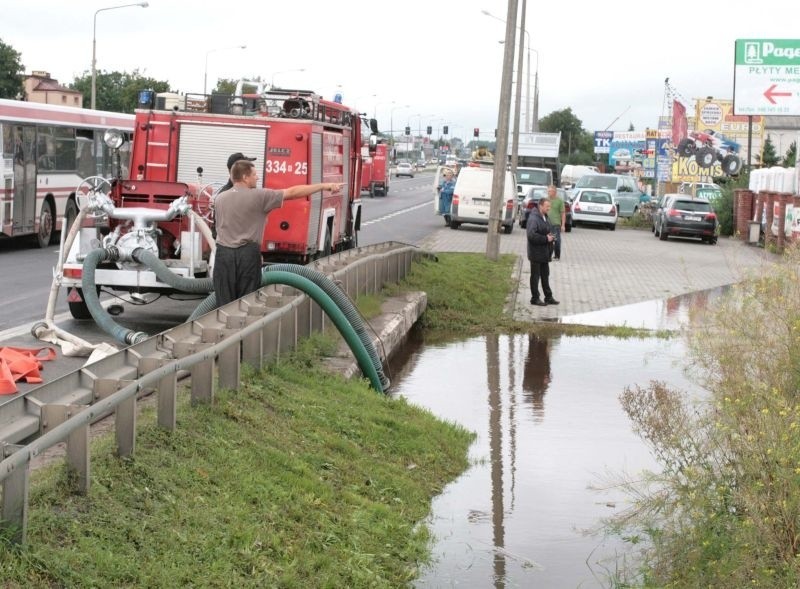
(441, 57)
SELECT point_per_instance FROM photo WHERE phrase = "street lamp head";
(143, 4)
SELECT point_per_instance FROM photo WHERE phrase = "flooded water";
(671, 313)
(549, 426)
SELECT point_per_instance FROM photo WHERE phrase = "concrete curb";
(391, 327)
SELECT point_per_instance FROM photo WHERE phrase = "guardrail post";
(14, 515)
(124, 414)
(202, 372)
(303, 311)
(228, 364)
(167, 391)
(77, 442)
(286, 331)
(252, 348)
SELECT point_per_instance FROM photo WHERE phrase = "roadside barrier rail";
(255, 329)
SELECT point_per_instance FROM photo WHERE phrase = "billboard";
(602, 141)
(716, 115)
(765, 77)
(627, 151)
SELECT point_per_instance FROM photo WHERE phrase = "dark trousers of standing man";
(237, 272)
(555, 251)
(540, 271)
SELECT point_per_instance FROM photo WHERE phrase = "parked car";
(530, 203)
(473, 194)
(404, 169)
(624, 189)
(594, 206)
(422, 164)
(683, 216)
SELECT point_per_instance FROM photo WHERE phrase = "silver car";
(404, 169)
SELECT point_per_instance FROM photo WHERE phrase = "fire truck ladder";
(158, 143)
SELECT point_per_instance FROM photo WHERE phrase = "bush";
(723, 206)
(725, 510)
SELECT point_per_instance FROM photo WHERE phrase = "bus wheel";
(71, 213)
(45, 233)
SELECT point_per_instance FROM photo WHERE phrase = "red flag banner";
(680, 125)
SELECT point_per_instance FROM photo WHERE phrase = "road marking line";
(396, 213)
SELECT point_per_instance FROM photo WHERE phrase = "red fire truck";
(178, 161)
(375, 170)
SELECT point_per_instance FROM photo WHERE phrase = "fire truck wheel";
(79, 310)
(45, 233)
(71, 213)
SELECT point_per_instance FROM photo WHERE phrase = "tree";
(790, 158)
(11, 70)
(577, 144)
(228, 85)
(118, 91)
(768, 156)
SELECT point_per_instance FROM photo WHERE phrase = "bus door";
(24, 179)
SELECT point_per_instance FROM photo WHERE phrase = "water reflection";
(536, 378)
(516, 518)
(672, 313)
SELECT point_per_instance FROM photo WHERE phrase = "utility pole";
(518, 98)
(501, 152)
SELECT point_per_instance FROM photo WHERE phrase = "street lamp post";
(94, 45)
(272, 77)
(375, 108)
(205, 69)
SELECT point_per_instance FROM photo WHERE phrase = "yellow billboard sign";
(717, 115)
(686, 169)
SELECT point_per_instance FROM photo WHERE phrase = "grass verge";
(300, 479)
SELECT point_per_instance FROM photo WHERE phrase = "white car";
(594, 206)
(404, 169)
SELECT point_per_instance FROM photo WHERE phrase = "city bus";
(46, 151)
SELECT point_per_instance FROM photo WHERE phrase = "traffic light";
(476, 132)
(408, 130)
(430, 129)
(444, 130)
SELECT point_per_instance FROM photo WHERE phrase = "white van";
(571, 174)
(472, 197)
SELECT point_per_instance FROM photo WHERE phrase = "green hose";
(336, 315)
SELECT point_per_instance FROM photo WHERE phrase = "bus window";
(45, 149)
(84, 150)
(65, 149)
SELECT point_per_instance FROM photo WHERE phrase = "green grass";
(300, 479)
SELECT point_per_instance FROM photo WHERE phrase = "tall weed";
(725, 509)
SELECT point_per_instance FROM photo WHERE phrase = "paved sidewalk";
(600, 269)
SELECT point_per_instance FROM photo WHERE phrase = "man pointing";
(240, 216)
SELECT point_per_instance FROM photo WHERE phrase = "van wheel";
(613, 227)
(454, 224)
(507, 229)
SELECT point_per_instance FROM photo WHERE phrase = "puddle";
(549, 425)
(672, 313)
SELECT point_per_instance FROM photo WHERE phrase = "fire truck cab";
(178, 163)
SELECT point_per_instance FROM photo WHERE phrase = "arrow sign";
(770, 93)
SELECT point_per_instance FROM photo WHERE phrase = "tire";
(661, 235)
(568, 227)
(705, 157)
(46, 221)
(613, 227)
(712, 241)
(522, 225)
(731, 164)
(79, 310)
(686, 147)
(454, 224)
(507, 229)
(71, 213)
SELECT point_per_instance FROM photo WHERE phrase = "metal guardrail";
(255, 329)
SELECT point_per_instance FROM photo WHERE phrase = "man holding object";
(240, 216)
(540, 240)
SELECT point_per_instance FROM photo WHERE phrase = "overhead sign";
(767, 77)
(602, 141)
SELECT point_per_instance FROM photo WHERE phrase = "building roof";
(51, 85)
(781, 123)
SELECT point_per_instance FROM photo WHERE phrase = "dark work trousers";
(237, 272)
(556, 231)
(540, 271)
